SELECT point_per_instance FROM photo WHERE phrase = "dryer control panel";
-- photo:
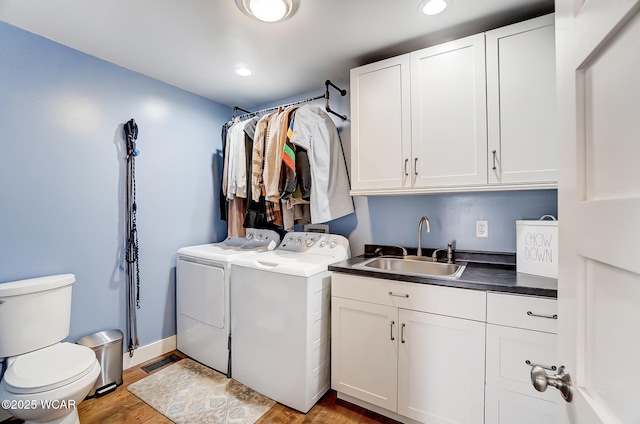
(256, 239)
(316, 244)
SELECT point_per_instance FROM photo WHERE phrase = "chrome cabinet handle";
(398, 295)
(561, 381)
(531, 314)
(406, 171)
(415, 166)
(546, 367)
(402, 332)
(392, 323)
(494, 159)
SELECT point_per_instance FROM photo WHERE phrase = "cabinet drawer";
(533, 313)
(511, 352)
(451, 301)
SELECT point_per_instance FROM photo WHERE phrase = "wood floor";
(121, 406)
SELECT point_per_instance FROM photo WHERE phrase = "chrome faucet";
(423, 220)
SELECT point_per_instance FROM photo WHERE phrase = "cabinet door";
(521, 99)
(511, 352)
(441, 368)
(448, 114)
(364, 344)
(380, 125)
(505, 407)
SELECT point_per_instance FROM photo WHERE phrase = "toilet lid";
(48, 368)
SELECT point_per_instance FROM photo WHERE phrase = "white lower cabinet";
(520, 334)
(364, 351)
(440, 368)
(422, 353)
(397, 354)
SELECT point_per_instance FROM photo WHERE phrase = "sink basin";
(414, 265)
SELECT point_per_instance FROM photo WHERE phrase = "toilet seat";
(49, 368)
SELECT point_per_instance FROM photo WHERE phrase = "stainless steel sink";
(414, 265)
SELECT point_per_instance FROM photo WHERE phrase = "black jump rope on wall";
(131, 234)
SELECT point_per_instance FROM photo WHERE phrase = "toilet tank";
(34, 313)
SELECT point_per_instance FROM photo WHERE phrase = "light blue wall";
(61, 178)
(394, 219)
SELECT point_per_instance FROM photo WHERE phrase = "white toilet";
(44, 379)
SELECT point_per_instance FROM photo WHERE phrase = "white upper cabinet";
(381, 125)
(521, 103)
(442, 118)
(448, 114)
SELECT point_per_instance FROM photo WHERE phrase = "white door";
(381, 125)
(364, 351)
(598, 56)
(202, 315)
(521, 103)
(201, 293)
(449, 114)
(441, 368)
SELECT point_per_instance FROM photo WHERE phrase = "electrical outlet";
(482, 229)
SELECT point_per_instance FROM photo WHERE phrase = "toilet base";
(57, 413)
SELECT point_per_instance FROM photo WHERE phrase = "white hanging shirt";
(315, 131)
(237, 169)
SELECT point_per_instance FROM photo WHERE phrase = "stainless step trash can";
(107, 346)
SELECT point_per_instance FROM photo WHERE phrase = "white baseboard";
(148, 352)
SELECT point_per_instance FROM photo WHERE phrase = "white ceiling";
(197, 44)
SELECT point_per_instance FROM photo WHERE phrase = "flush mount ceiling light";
(268, 10)
(433, 7)
(243, 71)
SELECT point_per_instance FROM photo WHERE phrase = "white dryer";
(202, 295)
(280, 318)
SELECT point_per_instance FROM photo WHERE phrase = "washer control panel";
(316, 243)
(255, 239)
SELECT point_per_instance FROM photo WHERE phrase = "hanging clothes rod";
(326, 96)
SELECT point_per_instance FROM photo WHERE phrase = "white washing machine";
(280, 318)
(202, 295)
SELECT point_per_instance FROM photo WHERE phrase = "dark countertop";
(498, 275)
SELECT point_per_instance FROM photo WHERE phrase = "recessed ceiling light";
(243, 71)
(268, 10)
(433, 7)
